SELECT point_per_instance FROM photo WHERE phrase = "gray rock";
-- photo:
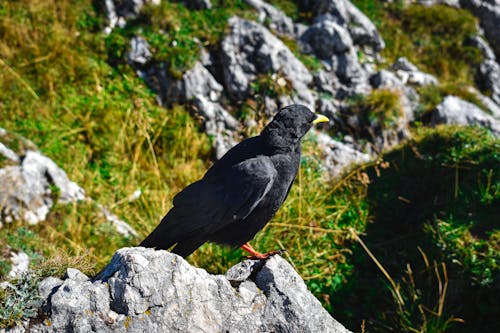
(454, 110)
(482, 45)
(27, 193)
(198, 81)
(274, 18)
(326, 38)
(42, 166)
(361, 29)
(332, 43)
(409, 96)
(488, 78)
(250, 50)
(409, 73)
(488, 13)
(327, 82)
(8, 153)
(450, 3)
(218, 123)
(339, 157)
(488, 71)
(48, 286)
(328, 108)
(139, 53)
(143, 290)
(118, 11)
(122, 227)
(488, 103)
(20, 263)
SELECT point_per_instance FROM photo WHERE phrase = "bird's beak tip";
(320, 119)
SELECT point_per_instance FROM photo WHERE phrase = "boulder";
(29, 180)
(143, 290)
(454, 110)
(326, 38)
(332, 43)
(274, 18)
(362, 30)
(28, 194)
(338, 156)
(409, 73)
(250, 50)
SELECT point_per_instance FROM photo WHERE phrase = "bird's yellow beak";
(320, 119)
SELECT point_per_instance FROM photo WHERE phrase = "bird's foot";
(255, 255)
(265, 256)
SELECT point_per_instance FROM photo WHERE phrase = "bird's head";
(289, 125)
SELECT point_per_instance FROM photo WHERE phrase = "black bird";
(241, 192)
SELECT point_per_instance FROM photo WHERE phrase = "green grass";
(430, 37)
(101, 126)
(432, 95)
(434, 212)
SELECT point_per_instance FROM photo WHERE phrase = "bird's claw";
(265, 256)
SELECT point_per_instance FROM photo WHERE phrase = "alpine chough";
(241, 192)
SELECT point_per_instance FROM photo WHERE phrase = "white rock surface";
(143, 290)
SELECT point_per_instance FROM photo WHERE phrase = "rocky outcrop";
(343, 12)
(273, 18)
(488, 13)
(27, 188)
(250, 50)
(454, 110)
(409, 73)
(196, 86)
(409, 97)
(332, 43)
(143, 290)
(32, 183)
(488, 72)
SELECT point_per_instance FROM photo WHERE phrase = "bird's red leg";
(255, 255)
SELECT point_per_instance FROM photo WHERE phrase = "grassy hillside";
(424, 212)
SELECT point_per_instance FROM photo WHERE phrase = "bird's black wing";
(209, 204)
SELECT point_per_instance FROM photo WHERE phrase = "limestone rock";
(450, 3)
(409, 97)
(276, 19)
(139, 53)
(488, 13)
(454, 110)
(361, 29)
(250, 50)
(327, 38)
(338, 157)
(118, 11)
(28, 194)
(409, 73)
(488, 73)
(143, 290)
(217, 123)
